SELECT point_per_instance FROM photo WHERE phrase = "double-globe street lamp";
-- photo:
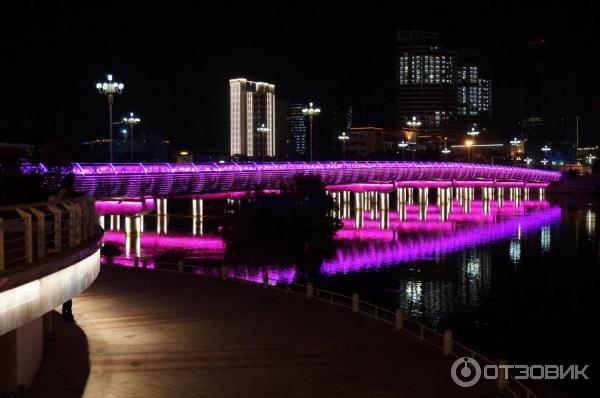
(131, 120)
(545, 149)
(311, 113)
(262, 133)
(110, 88)
(402, 145)
(343, 138)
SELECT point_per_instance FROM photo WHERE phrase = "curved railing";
(102, 180)
(49, 253)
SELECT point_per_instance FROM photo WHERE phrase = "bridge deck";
(165, 179)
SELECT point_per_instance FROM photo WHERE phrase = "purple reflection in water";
(359, 249)
(376, 254)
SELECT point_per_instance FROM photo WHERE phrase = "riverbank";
(157, 334)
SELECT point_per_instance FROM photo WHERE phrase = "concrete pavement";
(145, 333)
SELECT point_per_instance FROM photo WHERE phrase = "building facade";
(252, 118)
(549, 97)
(298, 130)
(445, 89)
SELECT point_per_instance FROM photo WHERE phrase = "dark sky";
(175, 60)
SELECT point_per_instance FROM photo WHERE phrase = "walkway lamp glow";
(515, 142)
(262, 133)
(544, 161)
(528, 161)
(343, 138)
(473, 133)
(110, 88)
(469, 144)
(311, 112)
(131, 120)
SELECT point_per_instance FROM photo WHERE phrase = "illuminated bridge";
(111, 180)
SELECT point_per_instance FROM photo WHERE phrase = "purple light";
(377, 254)
(124, 207)
(165, 179)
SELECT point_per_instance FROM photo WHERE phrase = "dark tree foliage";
(35, 185)
(297, 225)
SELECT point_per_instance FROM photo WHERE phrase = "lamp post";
(110, 89)
(469, 144)
(414, 124)
(131, 121)
(515, 143)
(311, 113)
(402, 145)
(528, 161)
(590, 159)
(262, 132)
(343, 138)
(445, 151)
(545, 149)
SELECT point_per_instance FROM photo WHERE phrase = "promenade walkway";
(144, 333)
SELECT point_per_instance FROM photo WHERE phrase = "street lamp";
(413, 123)
(445, 151)
(262, 132)
(545, 149)
(473, 133)
(343, 138)
(311, 113)
(402, 145)
(528, 161)
(591, 158)
(544, 161)
(131, 121)
(469, 144)
(515, 142)
(110, 88)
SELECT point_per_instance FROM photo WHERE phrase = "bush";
(295, 224)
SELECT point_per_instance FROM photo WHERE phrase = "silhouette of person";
(67, 311)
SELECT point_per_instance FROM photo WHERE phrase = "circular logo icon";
(465, 372)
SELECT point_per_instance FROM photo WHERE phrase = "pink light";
(124, 207)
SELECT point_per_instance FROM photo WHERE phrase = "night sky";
(176, 60)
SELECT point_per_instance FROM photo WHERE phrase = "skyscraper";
(298, 130)
(446, 89)
(425, 81)
(474, 83)
(549, 96)
(252, 118)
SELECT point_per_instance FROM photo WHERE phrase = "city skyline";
(186, 101)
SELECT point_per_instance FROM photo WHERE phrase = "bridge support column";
(500, 193)
(467, 206)
(486, 207)
(384, 219)
(198, 207)
(423, 211)
(445, 210)
(542, 195)
(133, 225)
(101, 222)
(359, 213)
(423, 194)
(161, 207)
(409, 195)
(384, 201)
(400, 195)
(487, 193)
(526, 193)
(402, 212)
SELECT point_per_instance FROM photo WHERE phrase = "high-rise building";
(474, 83)
(298, 130)
(425, 81)
(445, 89)
(252, 118)
(549, 96)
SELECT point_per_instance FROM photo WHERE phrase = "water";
(517, 282)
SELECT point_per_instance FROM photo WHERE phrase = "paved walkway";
(144, 333)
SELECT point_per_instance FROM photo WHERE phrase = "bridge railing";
(30, 232)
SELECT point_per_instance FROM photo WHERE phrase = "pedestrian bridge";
(136, 180)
